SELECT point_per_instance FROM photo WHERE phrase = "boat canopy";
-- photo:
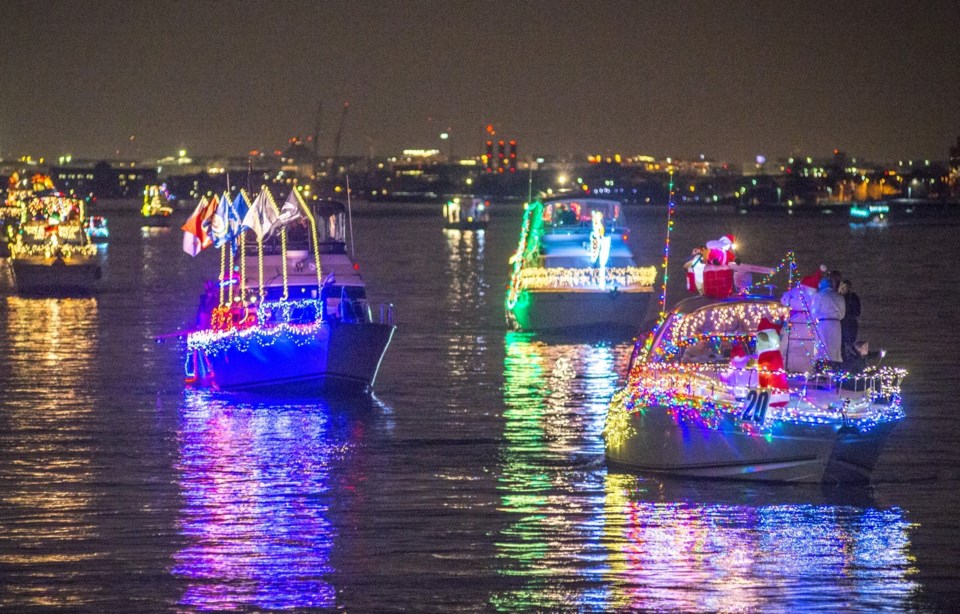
(703, 330)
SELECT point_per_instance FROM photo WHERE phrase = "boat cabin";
(702, 330)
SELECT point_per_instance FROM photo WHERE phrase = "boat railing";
(879, 384)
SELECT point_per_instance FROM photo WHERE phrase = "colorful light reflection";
(255, 480)
(682, 546)
(551, 547)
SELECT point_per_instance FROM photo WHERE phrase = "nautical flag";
(225, 223)
(196, 230)
(262, 216)
(240, 208)
(290, 210)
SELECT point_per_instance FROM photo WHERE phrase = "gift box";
(717, 281)
(691, 282)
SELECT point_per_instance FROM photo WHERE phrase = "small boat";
(707, 396)
(303, 323)
(97, 229)
(875, 215)
(156, 209)
(573, 269)
(457, 214)
(51, 253)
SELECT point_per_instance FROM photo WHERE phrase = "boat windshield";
(707, 334)
(579, 213)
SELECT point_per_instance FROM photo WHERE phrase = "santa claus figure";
(721, 251)
(770, 363)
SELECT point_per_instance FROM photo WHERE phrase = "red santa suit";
(721, 251)
(770, 363)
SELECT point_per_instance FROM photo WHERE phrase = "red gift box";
(717, 281)
(691, 282)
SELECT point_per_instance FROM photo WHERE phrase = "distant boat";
(574, 269)
(156, 209)
(466, 213)
(302, 323)
(51, 253)
(97, 230)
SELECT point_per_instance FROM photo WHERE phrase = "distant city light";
(761, 159)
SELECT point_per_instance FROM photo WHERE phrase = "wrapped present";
(717, 281)
(691, 282)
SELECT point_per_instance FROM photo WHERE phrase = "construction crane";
(343, 118)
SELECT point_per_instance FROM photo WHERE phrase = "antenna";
(350, 219)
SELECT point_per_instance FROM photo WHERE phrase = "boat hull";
(338, 356)
(809, 453)
(53, 276)
(558, 310)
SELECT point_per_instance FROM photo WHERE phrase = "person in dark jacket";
(849, 324)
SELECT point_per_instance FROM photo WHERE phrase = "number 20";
(755, 406)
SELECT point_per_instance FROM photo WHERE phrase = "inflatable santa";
(770, 362)
(721, 251)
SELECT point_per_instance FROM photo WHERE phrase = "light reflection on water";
(691, 546)
(582, 538)
(255, 477)
(555, 402)
(48, 515)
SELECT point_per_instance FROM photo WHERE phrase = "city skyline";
(726, 80)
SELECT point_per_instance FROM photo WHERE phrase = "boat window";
(352, 293)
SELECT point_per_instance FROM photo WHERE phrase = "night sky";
(730, 80)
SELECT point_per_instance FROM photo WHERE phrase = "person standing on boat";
(849, 325)
(829, 309)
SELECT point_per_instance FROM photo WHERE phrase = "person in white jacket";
(829, 309)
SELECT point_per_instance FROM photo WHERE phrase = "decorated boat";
(289, 311)
(574, 269)
(466, 213)
(50, 252)
(97, 229)
(156, 209)
(708, 395)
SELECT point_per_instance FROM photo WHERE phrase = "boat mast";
(666, 252)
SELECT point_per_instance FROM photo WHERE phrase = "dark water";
(474, 479)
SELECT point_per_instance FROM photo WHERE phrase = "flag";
(290, 210)
(225, 224)
(196, 230)
(262, 216)
(240, 207)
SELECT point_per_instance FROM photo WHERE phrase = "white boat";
(303, 324)
(466, 213)
(573, 269)
(51, 253)
(695, 406)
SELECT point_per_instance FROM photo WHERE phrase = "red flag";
(196, 230)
